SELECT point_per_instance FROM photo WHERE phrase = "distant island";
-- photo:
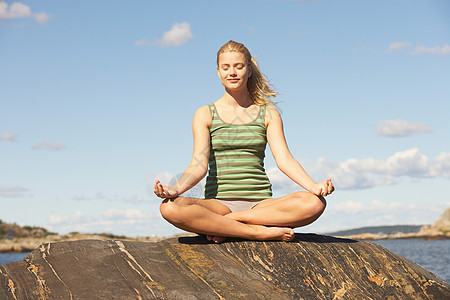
(15, 238)
(386, 229)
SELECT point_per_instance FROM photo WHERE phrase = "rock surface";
(310, 267)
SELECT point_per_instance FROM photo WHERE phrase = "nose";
(233, 71)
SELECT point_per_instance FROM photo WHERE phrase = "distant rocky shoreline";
(27, 244)
(438, 230)
(15, 239)
(398, 235)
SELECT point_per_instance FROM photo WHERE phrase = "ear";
(218, 73)
(250, 71)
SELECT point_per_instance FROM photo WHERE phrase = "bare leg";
(206, 217)
(293, 210)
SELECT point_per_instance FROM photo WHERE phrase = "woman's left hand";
(323, 188)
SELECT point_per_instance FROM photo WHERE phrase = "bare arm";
(284, 159)
(199, 163)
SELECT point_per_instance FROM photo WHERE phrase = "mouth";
(233, 80)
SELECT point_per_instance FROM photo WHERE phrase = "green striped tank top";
(236, 159)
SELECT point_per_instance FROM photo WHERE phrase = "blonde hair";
(258, 86)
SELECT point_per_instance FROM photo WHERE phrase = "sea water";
(10, 257)
(433, 255)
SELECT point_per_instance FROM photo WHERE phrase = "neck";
(239, 98)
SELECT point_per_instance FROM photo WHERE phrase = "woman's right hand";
(164, 191)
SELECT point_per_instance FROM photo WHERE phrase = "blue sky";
(97, 100)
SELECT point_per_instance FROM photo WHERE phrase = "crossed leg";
(293, 210)
(272, 219)
(207, 217)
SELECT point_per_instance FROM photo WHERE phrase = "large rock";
(310, 267)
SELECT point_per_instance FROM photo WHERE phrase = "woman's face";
(233, 70)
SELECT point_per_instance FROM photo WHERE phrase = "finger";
(163, 188)
(163, 191)
(155, 186)
(321, 191)
(155, 190)
(329, 185)
(325, 190)
(160, 190)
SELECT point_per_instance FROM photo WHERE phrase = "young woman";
(230, 137)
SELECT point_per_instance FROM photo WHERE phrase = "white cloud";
(76, 217)
(441, 166)
(130, 215)
(20, 10)
(109, 198)
(12, 191)
(144, 42)
(399, 128)
(354, 207)
(444, 50)
(396, 46)
(48, 146)
(406, 163)
(280, 182)
(178, 35)
(133, 199)
(369, 172)
(6, 136)
(129, 222)
(351, 174)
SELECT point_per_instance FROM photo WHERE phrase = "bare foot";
(265, 233)
(216, 239)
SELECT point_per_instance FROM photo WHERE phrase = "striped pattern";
(236, 159)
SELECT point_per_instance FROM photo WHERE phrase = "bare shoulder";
(202, 116)
(272, 114)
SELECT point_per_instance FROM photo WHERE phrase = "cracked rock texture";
(310, 267)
